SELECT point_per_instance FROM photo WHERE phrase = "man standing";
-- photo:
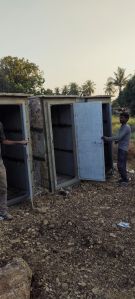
(122, 138)
(4, 215)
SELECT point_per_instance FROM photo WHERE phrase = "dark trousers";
(3, 189)
(121, 164)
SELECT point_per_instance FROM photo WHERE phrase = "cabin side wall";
(39, 123)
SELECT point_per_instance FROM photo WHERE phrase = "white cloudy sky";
(70, 40)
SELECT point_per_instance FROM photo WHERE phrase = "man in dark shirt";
(123, 139)
(4, 215)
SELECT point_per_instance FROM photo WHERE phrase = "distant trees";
(65, 90)
(73, 89)
(86, 89)
(20, 75)
(57, 91)
(47, 91)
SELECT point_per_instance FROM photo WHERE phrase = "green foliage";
(133, 136)
(20, 75)
(127, 96)
(65, 90)
(73, 89)
(115, 104)
(57, 91)
(115, 123)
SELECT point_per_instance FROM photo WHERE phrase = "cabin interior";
(64, 141)
(14, 156)
(63, 138)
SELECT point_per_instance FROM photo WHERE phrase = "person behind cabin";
(4, 215)
(122, 138)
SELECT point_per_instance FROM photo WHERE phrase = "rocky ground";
(73, 243)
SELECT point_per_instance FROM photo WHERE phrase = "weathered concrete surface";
(36, 116)
(41, 176)
(38, 144)
(15, 280)
(39, 150)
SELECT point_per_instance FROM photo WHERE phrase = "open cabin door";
(90, 147)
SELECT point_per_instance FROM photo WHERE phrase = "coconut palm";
(88, 88)
(120, 80)
(109, 87)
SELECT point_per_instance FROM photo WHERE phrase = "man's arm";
(5, 141)
(12, 142)
(118, 137)
(110, 139)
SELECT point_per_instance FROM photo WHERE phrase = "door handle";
(98, 142)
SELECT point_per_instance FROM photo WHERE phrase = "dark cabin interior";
(62, 126)
(14, 156)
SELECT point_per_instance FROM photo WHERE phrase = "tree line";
(18, 75)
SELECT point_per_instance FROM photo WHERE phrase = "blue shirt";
(123, 137)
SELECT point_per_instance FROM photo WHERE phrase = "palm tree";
(120, 80)
(109, 87)
(88, 88)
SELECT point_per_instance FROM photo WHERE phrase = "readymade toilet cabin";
(66, 136)
(17, 158)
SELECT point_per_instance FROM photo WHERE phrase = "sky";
(70, 40)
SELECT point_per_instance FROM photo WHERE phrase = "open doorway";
(15, 156)
(64, 143)
(107, 131)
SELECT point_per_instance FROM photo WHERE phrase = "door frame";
(28, 149)
(50, 146)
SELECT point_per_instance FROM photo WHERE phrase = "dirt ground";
(73, 244)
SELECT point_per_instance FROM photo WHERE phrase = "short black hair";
(125, 114)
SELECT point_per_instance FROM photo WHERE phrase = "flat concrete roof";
(15, 95)
(51, 97)
(70, 96)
